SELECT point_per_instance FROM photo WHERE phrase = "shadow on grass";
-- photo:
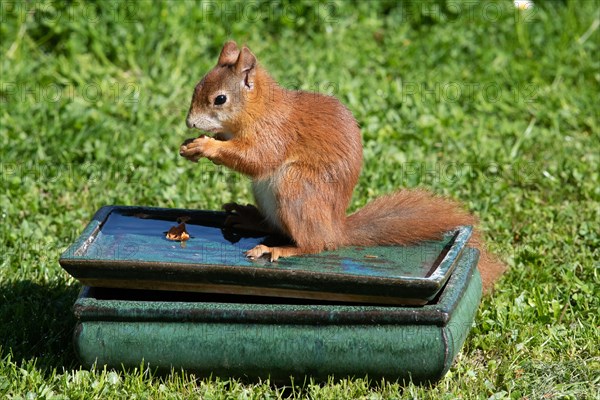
(37, 323)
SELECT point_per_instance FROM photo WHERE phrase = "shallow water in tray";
(141, 237)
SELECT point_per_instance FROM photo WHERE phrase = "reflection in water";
(126, 236)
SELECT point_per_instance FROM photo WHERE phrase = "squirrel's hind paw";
(275, 252)
(260, 251)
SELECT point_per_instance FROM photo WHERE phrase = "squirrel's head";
(221, 96)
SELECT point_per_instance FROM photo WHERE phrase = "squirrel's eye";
(220, 99)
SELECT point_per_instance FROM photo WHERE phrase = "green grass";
(476, 101)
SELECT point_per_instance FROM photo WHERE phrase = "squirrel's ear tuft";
(229, 54)
(245, 65)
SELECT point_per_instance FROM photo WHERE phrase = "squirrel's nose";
(189, 123)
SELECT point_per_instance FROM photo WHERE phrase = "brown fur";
(304, 150)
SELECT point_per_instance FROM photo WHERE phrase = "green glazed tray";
(125, 247)
(261, 337)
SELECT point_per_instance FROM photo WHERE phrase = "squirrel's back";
(326, 136)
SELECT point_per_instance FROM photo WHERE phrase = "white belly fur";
(266, 201)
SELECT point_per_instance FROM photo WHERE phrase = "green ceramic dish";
(125, 247)
(260, 337)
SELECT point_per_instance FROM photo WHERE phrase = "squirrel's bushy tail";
(410, 216)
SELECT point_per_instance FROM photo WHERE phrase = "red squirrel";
(303, 152)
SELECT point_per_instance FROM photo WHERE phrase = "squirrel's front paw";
(195, 149)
